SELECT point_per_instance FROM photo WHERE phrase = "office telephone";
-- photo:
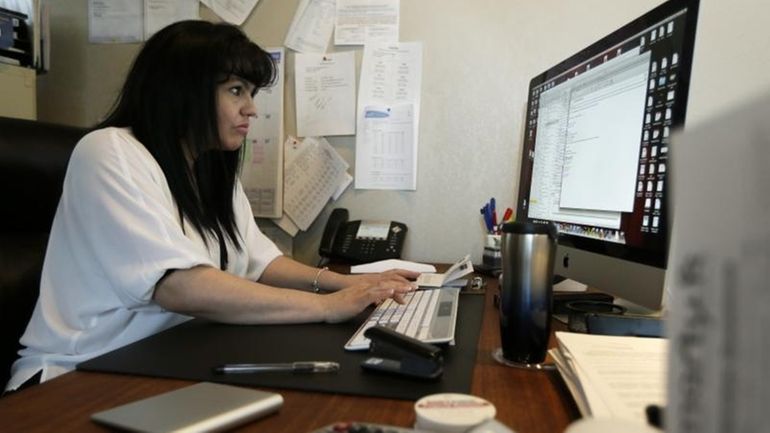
(361, 241)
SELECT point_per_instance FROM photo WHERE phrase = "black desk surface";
(190, 351)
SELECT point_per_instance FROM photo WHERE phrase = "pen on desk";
(295, 367)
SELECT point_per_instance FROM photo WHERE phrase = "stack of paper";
(612, 377)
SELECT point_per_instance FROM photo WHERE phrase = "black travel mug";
(526, 291)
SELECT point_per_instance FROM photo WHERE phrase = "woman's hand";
(367, 289)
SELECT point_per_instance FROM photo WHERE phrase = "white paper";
(343, 186)
(718, 275)
(461, 268)
(291, 149)
(115, 21)
(311, 27)
(232, 11)
(624, 374)
(262, 174)
(388, 115)
(325, 88)
(311, 179)
(361, 22)
(386, 265)
(160, 13)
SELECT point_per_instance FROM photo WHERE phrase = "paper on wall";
(325, 89)
(232, 11)
(262, 173)
(311, 27)
(311, 178)
(388, 116)
(360, 22)
(160, 13)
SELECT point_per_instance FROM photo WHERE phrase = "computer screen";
(595, 152)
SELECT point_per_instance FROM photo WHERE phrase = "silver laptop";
(428, 315)
(203, 407)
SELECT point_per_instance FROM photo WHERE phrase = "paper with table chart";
(610, 376)
(388, 116)
(314, 174)
(456, 271)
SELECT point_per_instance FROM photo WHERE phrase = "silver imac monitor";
(595, 152)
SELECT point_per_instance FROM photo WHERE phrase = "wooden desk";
(526, 401)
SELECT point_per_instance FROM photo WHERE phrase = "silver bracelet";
(316, 287)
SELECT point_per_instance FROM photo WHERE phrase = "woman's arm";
(207, 292)
(285, 272)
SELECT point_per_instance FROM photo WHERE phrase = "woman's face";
(235, 105)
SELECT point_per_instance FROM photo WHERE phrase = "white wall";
(478, 58)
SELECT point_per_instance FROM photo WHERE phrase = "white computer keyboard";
(412, 318)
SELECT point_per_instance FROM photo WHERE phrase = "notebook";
(428, 315)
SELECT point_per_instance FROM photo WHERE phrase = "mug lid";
(530, 228)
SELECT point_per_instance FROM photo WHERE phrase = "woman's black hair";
(169, 102)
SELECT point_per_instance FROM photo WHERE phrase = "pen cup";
(492, 257)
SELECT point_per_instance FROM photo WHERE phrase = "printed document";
(360, 22)
(115, 21)
(123, 21)
(262, 172)
(325, 88)
(388, 117)
(610, 376)
(311, 27)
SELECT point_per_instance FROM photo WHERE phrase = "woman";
(153, 226)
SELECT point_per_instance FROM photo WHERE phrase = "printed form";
(388, 116)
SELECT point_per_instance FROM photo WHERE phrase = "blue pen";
(493, 212)
(487, 220)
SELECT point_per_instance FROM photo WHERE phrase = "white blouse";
(115, 234)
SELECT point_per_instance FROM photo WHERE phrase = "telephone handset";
(361, 241)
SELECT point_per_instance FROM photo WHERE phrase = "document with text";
(325, 90)
(611, 376)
